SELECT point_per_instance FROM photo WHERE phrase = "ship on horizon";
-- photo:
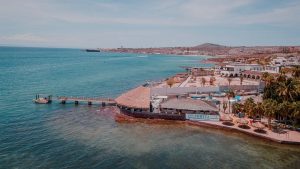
(92, 50)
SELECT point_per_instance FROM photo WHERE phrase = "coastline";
(122, 118)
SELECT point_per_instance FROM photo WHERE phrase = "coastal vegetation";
(281, 99)
(170, 82)
(203, 81)
(212, 80)
(229, 81)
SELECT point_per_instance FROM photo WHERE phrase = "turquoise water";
(65, 136)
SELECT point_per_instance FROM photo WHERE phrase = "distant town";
(211, 50)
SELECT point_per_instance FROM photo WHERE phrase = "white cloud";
(209, 10)
(288, 14)
(104, 23)
(23, 38)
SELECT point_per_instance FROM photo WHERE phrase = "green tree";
(203, 81)
(229, 81)
(224, 106)
(259, 109)
(288, 89)
(267, 78)
(241, 80)
(230, 94)
(296, 112)
(249, 107)
(270, 108)
(212, 80)
(170, 82)
(296, 72)
(285, 109)
(237, 107)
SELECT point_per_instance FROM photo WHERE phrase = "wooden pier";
(88, 100)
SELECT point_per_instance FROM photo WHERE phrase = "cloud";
(156, 12)
(23, 38)
(209, 10)
(280, 15)
(135, 22)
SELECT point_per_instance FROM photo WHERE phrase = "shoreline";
(121, 118)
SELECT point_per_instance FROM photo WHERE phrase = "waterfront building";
(192, 109)
(200, 71)
(135, 100)
(293, 61)
(137, 103)
(252, 74)
(272, 69)
(235, 69)
(279, 61)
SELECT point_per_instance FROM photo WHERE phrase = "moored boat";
(42, 99)
(92, 50)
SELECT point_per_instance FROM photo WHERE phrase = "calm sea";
(68, 136)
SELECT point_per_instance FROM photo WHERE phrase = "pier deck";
(89, 100)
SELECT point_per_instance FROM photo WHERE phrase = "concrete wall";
(187, 90)
(182, 90)
(241, 87)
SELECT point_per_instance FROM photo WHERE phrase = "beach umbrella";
(259, 125)
(242, 121)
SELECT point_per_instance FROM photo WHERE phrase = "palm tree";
(203, 81)
(288, 89)
(249, 107)
(241, 80)
(285, 109)
(229, 81)
(267, 78)
(230, 94)
(282, 77)
(212, 80)
(224, 106)
(237, 107)
(296, 112)
(171, 82)
(258, 109)
(296, 71)
(269, 107)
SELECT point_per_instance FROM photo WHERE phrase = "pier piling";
(89, 101)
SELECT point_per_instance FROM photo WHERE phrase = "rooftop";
(135, 98)
(243, 64)
(188, 104)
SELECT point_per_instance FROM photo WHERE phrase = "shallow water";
(68, 136)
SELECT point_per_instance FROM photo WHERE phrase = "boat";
(92, 50)
(42, 99)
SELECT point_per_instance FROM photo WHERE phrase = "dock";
(88, 100)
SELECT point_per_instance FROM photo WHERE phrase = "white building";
(235, 69)
(279, 61)
(272, 69)
(293, 61)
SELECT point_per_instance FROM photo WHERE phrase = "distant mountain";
(211, 49)
(209, 46)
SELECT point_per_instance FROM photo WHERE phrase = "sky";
(152, 23)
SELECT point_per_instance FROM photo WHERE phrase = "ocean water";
(68, 136)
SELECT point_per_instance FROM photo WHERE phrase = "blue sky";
(153, 23)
